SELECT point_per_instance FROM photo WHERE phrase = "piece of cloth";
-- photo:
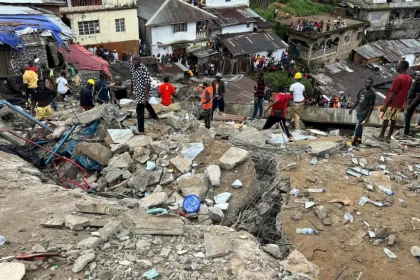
(367, 99)
(400, 86)
(414, 91)
(121, 93)
(86, 97)
(141, 79)
(297, 89)
(219, 89)
(30, 78)
(391, 114)
(218, 103)
(166, 91)
(283, 102)
(258, 106)
(140, 114)
(297, 111)
(408, 117)
(359, 127)
(43, 113)
(260, 88)
(207, 98)
(62, 85)
(101, 91)
(272, 120)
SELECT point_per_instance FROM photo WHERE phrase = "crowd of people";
(343, 101)
(313, 26)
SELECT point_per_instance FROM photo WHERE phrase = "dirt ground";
(334, 239)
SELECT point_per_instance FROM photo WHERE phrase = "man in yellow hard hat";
(297, 89)
(86, 95)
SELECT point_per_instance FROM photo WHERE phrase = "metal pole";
(60, 144)
(26, 115)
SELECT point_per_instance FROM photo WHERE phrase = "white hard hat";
(219, 75)
(36, 60)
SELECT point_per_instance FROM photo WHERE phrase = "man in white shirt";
(297, 90)
(115, 54)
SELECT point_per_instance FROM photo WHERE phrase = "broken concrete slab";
(76, 222)
(38, 248)
(109, 229)
(101, 209)
(274, 251)
(166, 178)
(174, 121)
(112, 174)
(121, 161)
(139, 222)
(53, 223)
(154, 199)
(298, 264)
(106, 112)
(120, 136)
(58, 132)
(119, 148)
(216, 214)
(89, 243)
(226, 130)
(82, 261)
(141, 154)
(250, 135)
(95, 151)
(203, 215)
(321, 148)
(9, 136)
(139, 141)
(176, 200)
(154, 176)
(214, 174)
(233, 157)
(196, 184)
(217, 246)
(182, 164)
(12, 271)
(201, 134)
(139, 180)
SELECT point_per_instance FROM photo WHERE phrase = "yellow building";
(112, 24)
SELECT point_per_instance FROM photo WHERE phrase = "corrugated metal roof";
(158, 12)
(391, 50)
(252, 43)
(45, 2)
(232, 15)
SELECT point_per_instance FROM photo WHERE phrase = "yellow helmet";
(298, 75)
(91, 81)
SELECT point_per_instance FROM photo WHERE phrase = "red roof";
(82, 59)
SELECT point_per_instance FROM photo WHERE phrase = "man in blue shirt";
(102, 93)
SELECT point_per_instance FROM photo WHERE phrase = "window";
(120, 25)
(359, 35)
(227, 0)
(181, 27)
(347, 38)
(76, 3)
(248, 25)
(88, 27)
(407, 15)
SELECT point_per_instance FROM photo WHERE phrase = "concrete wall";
(358, 59)
(35, 46)
(165, 34)
(108, 33)
(226, 3)
(240, 28)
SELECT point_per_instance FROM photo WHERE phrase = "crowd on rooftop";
(310, 26)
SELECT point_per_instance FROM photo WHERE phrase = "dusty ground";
(366, 258)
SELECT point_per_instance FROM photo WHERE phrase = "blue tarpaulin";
(18, 23)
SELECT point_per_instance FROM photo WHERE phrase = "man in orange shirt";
(166, 90)
(207, 103)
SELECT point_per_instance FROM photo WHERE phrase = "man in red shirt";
(278, 111)
(166, 90)
(395, 100)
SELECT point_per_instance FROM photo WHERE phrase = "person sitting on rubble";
(42, 98)
(278, 111)
(166, 92)
(207, 103)
(86, 95)
(118, 89)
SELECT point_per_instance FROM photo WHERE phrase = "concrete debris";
(415, 251)
(58, 132)
(166, 178)
(120, 136)
(101, 209)
(38, 248)
(415, 223)
(12, 271)
(154, 199)
(223, 206)
(274, 251)
(298, 264)
(222, 197)
(109, 230)
(216, 246)
(204, 215)
(251, 136)
(174, 121)
(121, 161)
(95, 151)
(195, 184)
(89, 243)
(139, 180)
(155, 176)
(76, 222)
(216, 214)
(182, 164)
(237, 184)
(321, 148)
(139, 141)
(54, 223)
(214, 174)
(139, 222)
(233, 157)
(82, 261)
(226, 130)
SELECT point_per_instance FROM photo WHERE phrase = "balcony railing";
(79, 3)
(201, 35)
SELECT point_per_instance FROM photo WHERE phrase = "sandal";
(136, 132)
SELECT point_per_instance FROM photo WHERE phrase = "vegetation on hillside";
(293, 7)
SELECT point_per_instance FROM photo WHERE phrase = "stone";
(321, 148)
(182, 164)
(164, 253)
(124, 262)
(233, 157)
(101, 209)
(113, 174)
(203, 215)
(222, 197)
(223, 206)
(95, 151)
(121, 161)
(120, 136)
(12, 271)
(201, 134)
(155, 176)
(139, 180)
(141, 154)
(166, 178)
(119, 148)
(89, 243)
(217, 246)
(250, 135)
(58, 132)
(76, 222)
(38, 248)
(214, 174)
(415, 223)
(141, 223)
(139, 141)
(108, 230)
(195, 184)
(391, 239)
(175, 107)
(142, 246)
(126, 175)
(174, 121)
(237, 184)
(383, 233)
(216, 214)
(321, 212)
(226, 130)
(300, 266)
(176, 200)
(154, 199)
(415, 251)
(273, 250)
(54, 223)
(82, 261)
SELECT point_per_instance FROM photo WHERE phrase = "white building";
(111, 23)
(226, 3)
(171, 26)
